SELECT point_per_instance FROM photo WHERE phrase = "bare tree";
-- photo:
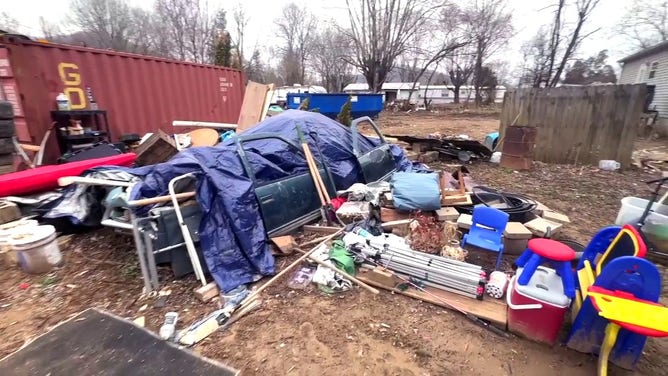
(191, 26)
(49, 30)
(295, 27)
(537, 61)
(241, 20)
(546, 55)
(107, 22)
(331, 48)
(380, 31)
(645, 23)
(8, 23)
(489, 24)
(584, 10)
(460, 70)
(442, 38)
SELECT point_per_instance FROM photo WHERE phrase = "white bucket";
(36, 249)
(633, 208)
(6, 232)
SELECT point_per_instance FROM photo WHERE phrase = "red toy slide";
(45, 178)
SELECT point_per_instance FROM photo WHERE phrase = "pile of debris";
(432, 148)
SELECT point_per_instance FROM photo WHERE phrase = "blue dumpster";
(330, 104)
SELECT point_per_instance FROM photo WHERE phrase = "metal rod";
(190, 245)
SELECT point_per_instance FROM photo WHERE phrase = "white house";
(392, 90)
(280, 95)
(437, 94)
(650, 66)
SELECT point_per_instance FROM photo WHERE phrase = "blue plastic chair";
(487, 230)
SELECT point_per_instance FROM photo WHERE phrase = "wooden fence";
(578, 125)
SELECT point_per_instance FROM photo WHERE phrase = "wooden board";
(320, 229)
(252, 106)
(286, 244)
(208, 292)
(391, 215)
(158, 148)
(456, 200)
(492, 310)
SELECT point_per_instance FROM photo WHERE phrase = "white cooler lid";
(545, 285)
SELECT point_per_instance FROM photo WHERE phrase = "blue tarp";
(232, 234)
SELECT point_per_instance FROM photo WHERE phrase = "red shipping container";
(141, 94)
(536, 311)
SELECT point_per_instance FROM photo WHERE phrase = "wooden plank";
(267, 101)
(286, 244)
(208, 292)
(391, 215)
(320, 229)
(492, 310)
(158, 148)
(456, 200)
(252, 106)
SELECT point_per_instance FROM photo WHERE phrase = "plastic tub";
(36, 249)
(6, 232)
(633, 208)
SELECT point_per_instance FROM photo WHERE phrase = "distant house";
(649, 66)
(392, 90)
(437, 94)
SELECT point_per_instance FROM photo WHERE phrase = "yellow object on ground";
(611, 332)
(632, 312)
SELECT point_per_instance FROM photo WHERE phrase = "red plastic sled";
(45, 178)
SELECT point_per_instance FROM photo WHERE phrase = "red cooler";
(536, 311)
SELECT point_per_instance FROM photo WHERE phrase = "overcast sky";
(528, 16)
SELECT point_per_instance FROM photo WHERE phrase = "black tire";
(6, 111)
(6, 145)
(6, 159)
(7, 128)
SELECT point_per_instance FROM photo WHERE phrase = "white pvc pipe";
(204, 124)
(190, 245)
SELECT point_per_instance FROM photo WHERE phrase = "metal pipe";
(420, 273)
(445, 282)
(205, 124)
(426, 257)
(190, 245)
(473, 277)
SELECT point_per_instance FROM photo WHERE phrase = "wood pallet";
(492, 310)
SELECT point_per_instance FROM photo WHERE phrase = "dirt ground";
(306, 332)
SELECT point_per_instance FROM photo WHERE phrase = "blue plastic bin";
(330, 104)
